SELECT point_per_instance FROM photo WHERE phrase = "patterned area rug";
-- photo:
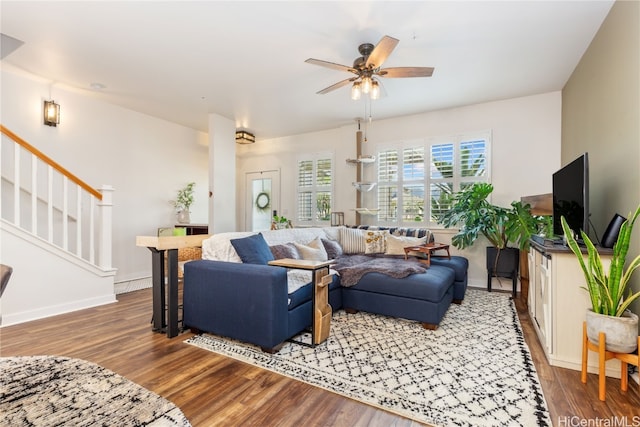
(58, 391)
(474, 370)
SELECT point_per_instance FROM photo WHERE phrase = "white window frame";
(315, 188)
(457, 179)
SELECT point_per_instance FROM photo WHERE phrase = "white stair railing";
(45, 199)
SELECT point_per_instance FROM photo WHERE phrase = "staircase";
(55, 231)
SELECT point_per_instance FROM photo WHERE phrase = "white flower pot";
(184, 217)
(621, 333)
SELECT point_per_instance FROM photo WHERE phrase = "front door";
(263, 198)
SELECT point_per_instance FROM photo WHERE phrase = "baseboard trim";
(132, 285)
(44, 312)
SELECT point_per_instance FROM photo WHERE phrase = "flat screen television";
(571, 196)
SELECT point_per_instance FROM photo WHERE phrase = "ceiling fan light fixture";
(366, 84)
(375, 90)
(356, 91)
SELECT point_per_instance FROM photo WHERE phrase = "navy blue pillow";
(253, 249)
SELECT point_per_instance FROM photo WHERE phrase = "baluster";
(34, 194)
(65, 213)
(78, 221)
(92, 230)
(16, 186)
(50, 204)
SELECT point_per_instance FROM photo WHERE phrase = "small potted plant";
(475, 216)
(280, 222)
(183, 201)
(609, 306)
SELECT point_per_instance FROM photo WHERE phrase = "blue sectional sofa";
(233, 293)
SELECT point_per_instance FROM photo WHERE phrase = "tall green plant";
(476, 216)
(607, 290)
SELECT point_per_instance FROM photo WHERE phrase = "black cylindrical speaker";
(611, 233)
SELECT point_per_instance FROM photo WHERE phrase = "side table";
(428, 249)
(321, 310)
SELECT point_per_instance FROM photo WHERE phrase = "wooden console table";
(158, 245)
(321, 310)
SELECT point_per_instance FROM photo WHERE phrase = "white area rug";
(474, 370)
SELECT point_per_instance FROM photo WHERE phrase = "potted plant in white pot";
(183, 201)
(609, 306)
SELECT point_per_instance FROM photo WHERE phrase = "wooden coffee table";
(428, 249)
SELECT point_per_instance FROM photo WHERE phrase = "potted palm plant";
(475, 216)
(609, 306)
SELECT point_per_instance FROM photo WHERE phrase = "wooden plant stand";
(604, 355)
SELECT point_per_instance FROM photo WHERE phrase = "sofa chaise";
(232, 291)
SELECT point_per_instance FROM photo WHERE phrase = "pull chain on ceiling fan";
(367, 69)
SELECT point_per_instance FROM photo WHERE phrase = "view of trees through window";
(406, 193)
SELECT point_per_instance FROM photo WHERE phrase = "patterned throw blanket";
(352, 267)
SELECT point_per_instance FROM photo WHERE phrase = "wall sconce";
(244, 137)
(51, 113)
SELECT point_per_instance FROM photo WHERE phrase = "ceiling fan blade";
(336, 86)
(406, 72)
(331, 65)
(382, 50)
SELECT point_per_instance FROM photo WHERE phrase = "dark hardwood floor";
(214, 390)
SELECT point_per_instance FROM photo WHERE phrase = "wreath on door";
(263, 201)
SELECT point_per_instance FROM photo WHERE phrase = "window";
(315, 188)
(407, 193)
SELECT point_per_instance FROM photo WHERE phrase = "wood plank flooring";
(217, 391)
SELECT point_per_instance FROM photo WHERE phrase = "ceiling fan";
(367, 69)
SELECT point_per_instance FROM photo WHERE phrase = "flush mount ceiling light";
(51, 113)
(244, 137)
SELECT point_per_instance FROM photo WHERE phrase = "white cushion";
(375, 241)
(219, 248)
(396, 244)
(352, 241)
(287, 235)
(314, 251)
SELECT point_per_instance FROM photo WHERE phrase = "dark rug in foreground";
(474, 370)
(58, 391)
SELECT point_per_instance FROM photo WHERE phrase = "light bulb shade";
(356, 92)
(244, 137)
(366, 84)
(51, 113)
(375, 90)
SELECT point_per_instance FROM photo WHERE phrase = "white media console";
(558, 303)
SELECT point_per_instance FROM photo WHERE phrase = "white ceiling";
(182, 60)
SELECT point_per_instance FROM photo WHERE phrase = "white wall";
(525, 153)
(145, 159)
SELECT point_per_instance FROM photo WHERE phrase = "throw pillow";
(253, 249)
(314, 251)
(352, 241)
(287, 250)
(396, 244)
(375, 241)
(333, 248)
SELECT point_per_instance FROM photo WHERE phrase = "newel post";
(105, 238)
